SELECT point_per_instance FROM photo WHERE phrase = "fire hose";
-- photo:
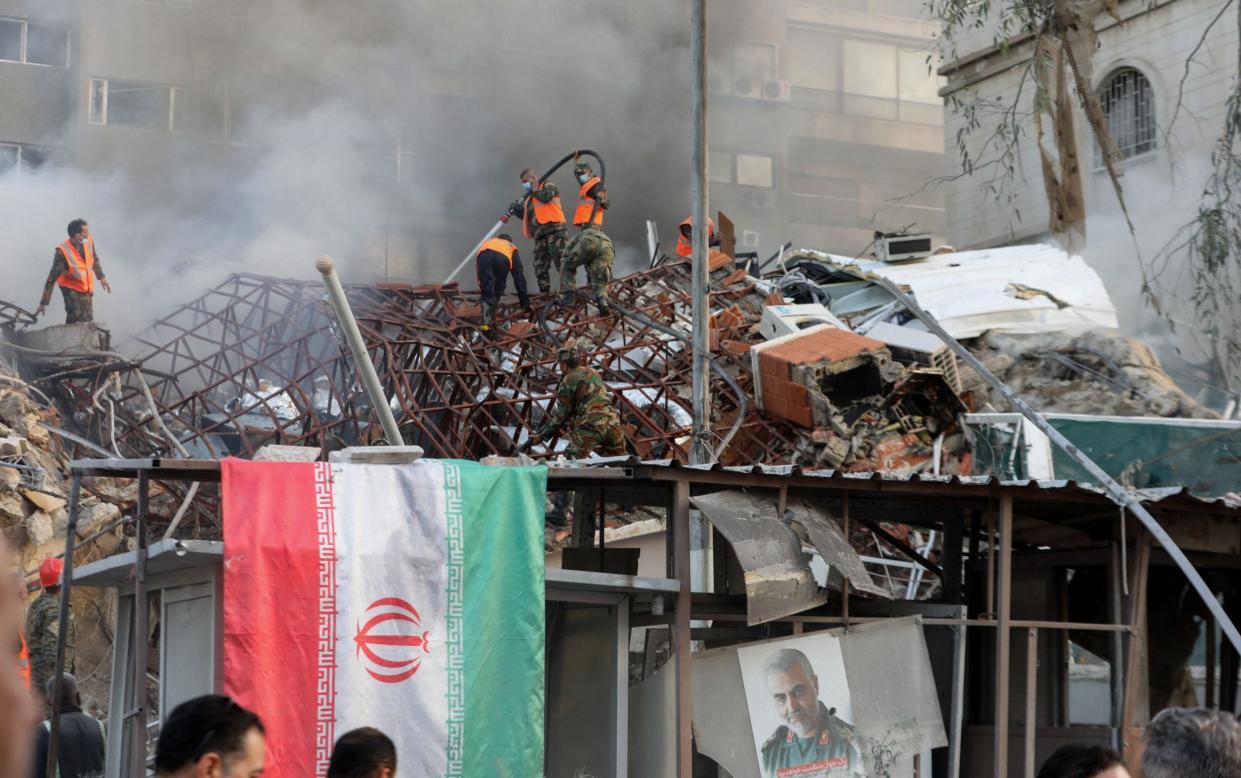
(513, 211)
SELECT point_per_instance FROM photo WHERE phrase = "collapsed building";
(815, 370)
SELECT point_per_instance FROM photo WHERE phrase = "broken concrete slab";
(778, 579)
(274, 452)
(43, 501)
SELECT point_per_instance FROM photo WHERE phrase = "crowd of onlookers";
(214, 736)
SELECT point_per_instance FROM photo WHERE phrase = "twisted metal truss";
(258, 360)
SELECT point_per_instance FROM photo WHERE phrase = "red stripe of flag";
(271, 606)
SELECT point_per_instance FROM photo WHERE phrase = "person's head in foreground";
(794, 690)
(1192, 743)
(1078, 760)
(210, 737)
(363, 753)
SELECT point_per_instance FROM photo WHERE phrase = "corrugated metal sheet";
(971, 292)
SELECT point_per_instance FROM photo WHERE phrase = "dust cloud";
(387, 133)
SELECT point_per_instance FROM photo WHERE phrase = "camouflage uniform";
(549, 239)
(593, 248)
(832, 752)
(42, 630)
(582, 402)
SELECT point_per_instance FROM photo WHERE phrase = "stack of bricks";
(783, 396)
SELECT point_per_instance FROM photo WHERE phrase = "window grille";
(1129, 105)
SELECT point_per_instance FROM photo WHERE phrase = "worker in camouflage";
(543, 220)
(593, 249)
(584, 404)
(812, 742)
(43, 627)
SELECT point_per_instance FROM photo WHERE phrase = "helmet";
(569, 352)
(50, 572)
(581, 166)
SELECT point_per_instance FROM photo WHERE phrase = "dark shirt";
(60, 266)
(493, 271)
(80, 751)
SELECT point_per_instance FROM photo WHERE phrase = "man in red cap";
(43, 627)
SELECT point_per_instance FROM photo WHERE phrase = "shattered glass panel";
(11, 40)
(46, 45)
(135, 104)
(8, 159)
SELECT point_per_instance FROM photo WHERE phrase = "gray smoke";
(322, 96)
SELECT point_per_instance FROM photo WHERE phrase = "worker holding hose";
(542, 219)
(591, 248)
(495, 261)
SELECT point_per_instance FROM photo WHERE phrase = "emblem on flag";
(391, 651)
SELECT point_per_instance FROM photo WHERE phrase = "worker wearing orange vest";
(23, 650)
(685, 237)
(75, 266)
(542, 219)
(495, 261)
(592, 196)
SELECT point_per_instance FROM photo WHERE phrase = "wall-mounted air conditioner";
(777, 91)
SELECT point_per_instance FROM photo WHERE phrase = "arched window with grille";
(1129, 105)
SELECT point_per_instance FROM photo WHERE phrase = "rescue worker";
(23, 650)
(812, 742)
(43, 626)
(75, 266)
(593, 249)
(685, 236)
(584, 404)
(496, 259)
(592, 196)
(542, 219)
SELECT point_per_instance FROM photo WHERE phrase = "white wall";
(1162, 188)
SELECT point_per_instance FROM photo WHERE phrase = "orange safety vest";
(80, 275)
(503, 247)
(23, 661)
(586, 204)
(685, 246)
(544, 213)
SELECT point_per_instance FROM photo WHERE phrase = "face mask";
(526, 185)
(584, 177)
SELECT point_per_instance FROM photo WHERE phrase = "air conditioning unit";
(749, 239)
(781, 320)
(746, 86)
(777, 91)
(762, 200)
(901, 248)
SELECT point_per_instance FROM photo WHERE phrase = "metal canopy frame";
(671, 487)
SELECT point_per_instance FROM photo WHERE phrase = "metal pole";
(1003, 637)
(700, 451)
(361, 357)
(679, 519)
(1031, 698)
(138, 705)
(1119, 494)
(62, 632)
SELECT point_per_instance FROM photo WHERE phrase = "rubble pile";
(34, 519)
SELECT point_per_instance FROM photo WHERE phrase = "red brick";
(734, 347)
(830, 345)
(735, 277)
(717, 260)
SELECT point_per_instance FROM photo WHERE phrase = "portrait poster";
(801, 712)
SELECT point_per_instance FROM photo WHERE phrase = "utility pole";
(701, 452)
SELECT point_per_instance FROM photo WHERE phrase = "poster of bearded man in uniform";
(800, 711)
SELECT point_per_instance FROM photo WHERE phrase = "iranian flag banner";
(407, 598)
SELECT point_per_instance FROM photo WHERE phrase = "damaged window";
(18, 160)
(136, 104)
(755, 170)
(814, 60)
(34, 44)
(47, 45)
(1129, 105)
